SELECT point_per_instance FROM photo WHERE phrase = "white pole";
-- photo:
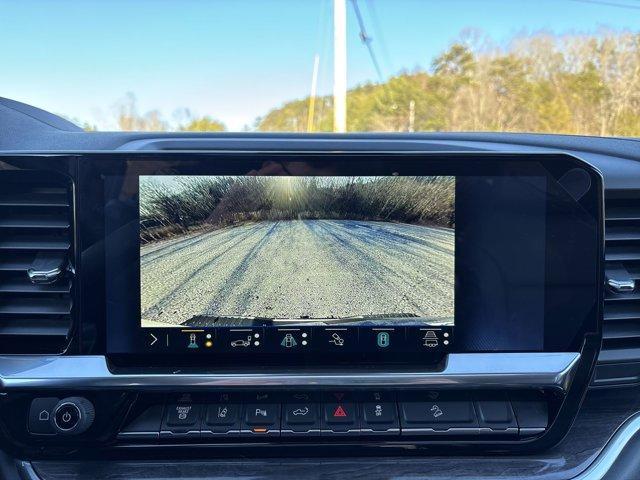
(412, 115)
(312, 97)
(340, 66)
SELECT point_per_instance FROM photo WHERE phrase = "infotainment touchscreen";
(236, 251)
(344, 257)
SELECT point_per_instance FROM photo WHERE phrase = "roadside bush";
(201, 202)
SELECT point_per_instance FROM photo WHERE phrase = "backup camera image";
(226, 250)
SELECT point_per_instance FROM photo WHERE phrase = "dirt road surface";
(316, 268)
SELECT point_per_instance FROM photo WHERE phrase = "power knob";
(73, 415)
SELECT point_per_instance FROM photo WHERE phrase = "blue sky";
(236, 59)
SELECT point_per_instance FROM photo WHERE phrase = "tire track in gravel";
(364, 261)
(234, 279)
(181, 289)
(317, 268)
(176, 247)
(434, 256)
(385, 235)
(423, 290)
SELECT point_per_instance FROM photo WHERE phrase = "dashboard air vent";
(619, 360)
(35, 271)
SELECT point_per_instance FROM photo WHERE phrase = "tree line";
(542, 83)
(574, 84)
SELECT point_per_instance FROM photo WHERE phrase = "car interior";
(415, 303)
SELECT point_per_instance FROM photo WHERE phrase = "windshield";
(544, 66)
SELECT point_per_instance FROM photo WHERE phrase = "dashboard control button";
(67, 416)
(455, 416)
(73, 415)
(301, 418)
(242, 340)
(340, 418)
(431, 339)
(181, 420)
(262, 413)
(382, 412)
(495, 415)
(379, 418)
(290, 339)
(337, 339)
(222, 419)
(532, 413)
(183, 415)
(224, 414)
(156, 340)
(40, 414)
(381, 339)
(262, 419)
(145, 426)
(340, 413)
(301, 413)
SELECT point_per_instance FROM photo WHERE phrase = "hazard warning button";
(340, 418)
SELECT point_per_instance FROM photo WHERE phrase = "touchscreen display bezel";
(103, 335)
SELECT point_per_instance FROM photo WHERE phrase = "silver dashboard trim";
(461, 370)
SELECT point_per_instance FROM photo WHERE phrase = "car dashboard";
(535, 375)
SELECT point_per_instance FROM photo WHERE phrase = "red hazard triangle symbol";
(339, 412)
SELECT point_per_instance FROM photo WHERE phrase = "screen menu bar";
(298, 339)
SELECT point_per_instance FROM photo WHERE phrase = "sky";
(236, 59)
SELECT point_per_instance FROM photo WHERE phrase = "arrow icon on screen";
(155, 339)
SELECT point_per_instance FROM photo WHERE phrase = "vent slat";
(24, 285)
(34, 221)
(33, 242)
(623, 297)
(621, 311)
(622, 253)
(619, 355)
(54, 198)
(624, 212)
(16, 261)
(622, 233)
(35, 306)
(621, 330)
(35, 327)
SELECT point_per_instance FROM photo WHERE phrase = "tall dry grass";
(221, 201)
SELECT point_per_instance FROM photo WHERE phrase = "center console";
(232, 300)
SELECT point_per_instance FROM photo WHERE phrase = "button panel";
(311, 414)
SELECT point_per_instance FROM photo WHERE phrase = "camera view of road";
(300, 268)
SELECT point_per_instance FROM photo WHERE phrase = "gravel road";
(316, 268)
